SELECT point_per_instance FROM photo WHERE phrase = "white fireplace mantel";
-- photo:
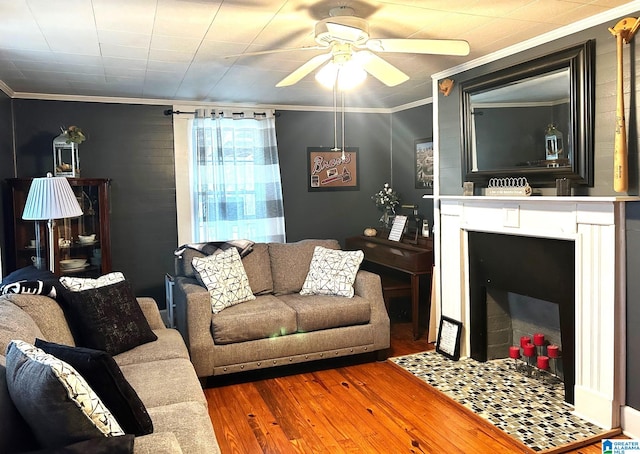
(596, 224)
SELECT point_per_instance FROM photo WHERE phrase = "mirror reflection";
(523, 124)
(531, 120)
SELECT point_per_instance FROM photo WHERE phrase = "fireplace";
(539, 268)
(589, 233)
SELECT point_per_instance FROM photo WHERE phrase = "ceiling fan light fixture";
(347, 75)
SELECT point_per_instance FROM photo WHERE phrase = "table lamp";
(50, 198)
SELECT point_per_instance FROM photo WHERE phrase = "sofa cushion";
(47, 315)
(169, 345)
(258, 269)
(54, 399)
(264, 317)
(105, 377)
(224, 277)
(107, 318)
(290, 263)
(319, 312)
(332, 272)
(15, 324)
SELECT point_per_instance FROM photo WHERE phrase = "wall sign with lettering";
(328, 171)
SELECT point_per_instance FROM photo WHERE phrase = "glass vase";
(386, 220)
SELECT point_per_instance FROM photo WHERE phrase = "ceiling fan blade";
(303, 70)
(380, 68)
(276, 51)
(420, 46)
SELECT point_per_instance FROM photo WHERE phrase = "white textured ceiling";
(175, 50)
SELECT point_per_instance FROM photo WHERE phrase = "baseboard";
(596, 408)
(631, 422)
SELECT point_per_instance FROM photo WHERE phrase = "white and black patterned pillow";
(77, 284)
(332, 272)
(29, 287)
(224, 276)
(54, 399)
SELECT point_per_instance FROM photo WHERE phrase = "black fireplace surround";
(540, 268)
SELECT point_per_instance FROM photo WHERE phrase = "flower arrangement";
(73, 134)
(386, 198)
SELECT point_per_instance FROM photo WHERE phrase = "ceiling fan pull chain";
(342, 95)
(335, 118)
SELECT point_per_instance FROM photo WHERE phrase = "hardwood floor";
(360, 406)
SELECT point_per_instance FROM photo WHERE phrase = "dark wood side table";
(415, 260)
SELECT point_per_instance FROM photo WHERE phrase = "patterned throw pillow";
(30, 288)
(332, 272)
(54, 399)
(106, 318)
(224, 276)
(77, 284)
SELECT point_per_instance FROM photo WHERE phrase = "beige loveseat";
(280, 326)
(159, 371)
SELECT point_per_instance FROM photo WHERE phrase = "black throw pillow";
(29, 273)
(104, 376)
(103, 445)
(107, 318)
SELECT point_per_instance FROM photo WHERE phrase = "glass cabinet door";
(82, 245)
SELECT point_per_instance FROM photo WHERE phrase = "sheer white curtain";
(235, 177)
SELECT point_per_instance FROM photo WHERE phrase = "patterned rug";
(529, 408)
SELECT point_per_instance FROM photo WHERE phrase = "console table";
(414, 260)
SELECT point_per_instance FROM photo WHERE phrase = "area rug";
(529, 408)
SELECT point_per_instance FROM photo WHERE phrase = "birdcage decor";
(66, 159)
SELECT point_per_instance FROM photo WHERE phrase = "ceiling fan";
(347, 38)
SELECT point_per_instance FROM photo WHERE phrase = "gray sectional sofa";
(160, 372)
(280, 326)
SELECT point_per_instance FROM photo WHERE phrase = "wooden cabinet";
(72, 237)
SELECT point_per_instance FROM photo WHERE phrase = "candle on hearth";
(529, 350)
(543, 362)
(553, 351)
(524, 340)
(514, 352)
(538, 339)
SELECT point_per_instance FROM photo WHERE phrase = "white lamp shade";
(50, 198)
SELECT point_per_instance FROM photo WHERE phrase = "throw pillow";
(107, 318)
(29, 287)
(104, 376)
(112, 445)
(54, 399)
(332, 272)
(29, 273)
(224, 276)
(77, 284)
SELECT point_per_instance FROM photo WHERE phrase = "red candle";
(514, 352)
(524, 340)
(529, 350)
(538, 339)
(553, 351)
(543, 362)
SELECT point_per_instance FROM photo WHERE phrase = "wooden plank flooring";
(348, 406)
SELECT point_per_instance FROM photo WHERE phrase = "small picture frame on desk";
(448, 342)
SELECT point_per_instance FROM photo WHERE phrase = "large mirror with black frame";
(533, 120)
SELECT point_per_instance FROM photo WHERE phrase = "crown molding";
(545, 38)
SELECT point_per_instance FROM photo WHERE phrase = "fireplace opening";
(531, 282)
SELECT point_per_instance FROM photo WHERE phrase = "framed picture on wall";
(328, 171)
(423, 149)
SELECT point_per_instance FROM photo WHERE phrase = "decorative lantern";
(66, 160)
(554, 143)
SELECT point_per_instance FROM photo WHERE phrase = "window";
(235, 179)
